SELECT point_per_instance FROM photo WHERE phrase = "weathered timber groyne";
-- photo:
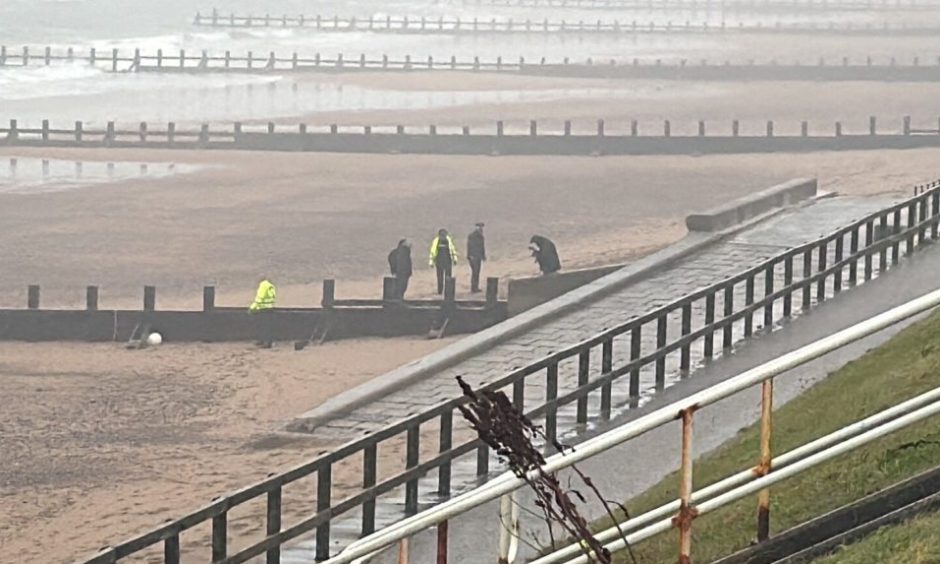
(887, 69)
(334, 319)
(715, 5)
(456, 25)
(604, 139)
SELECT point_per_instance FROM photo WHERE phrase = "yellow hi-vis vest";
(432, 257)
(265, 298)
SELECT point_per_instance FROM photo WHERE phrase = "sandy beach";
(100, 443)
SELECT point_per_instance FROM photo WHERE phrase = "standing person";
(262, 308)
(476, 254)
(443, 256)
(399, 262)
(545, 254)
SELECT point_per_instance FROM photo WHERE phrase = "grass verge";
(914, 542)
(906, 366)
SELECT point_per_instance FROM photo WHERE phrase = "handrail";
(682, 409)
(858, 256)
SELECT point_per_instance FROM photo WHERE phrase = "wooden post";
(492, 291)
(907, 125)
(871, 126)
(208, 298)
(150, 298)
(567, 128)
(91, 298)
(14, 132)
(735, 128)
(838, 129)
(499, 128)
(533, 128)
(770, 128)
(32, 297)
(329, 294)
(600, 128)
(45, 130)
(450, 294)
(143, 131)
(389, 290)
(804, 129)
(171, 132)
(701, 128)
(78, 131)
(666, 129)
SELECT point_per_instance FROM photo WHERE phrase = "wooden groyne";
(454, 25)
(115, 60)
(603, 139)
(333, 319)
(716, 5)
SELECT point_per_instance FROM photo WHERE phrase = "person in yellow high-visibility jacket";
(262, 307)
(443, 256)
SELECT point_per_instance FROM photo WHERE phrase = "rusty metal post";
(683, 520)
(442, 542)
(764, 467)
(403, 551)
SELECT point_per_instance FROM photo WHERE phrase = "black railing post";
(171, 550)
(911, 222)
(273, 554)
(708, 346)
(869, 238)
(807, 272)
(728, 331)
(635, 345)
(412, 450)
(551, 411)
(220, 536)
(445, 443)
(324, 493)
(660, 343)
(768, 290)
(896, 247)
(748, 301)
(934, 212)
(584, 368)
(686, 350)
(853, 250)
(883, 255)
(607, 364)
(921, 218)
(370, 461)
(822, 262)
(837, 280)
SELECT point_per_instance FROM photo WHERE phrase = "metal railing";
(790, 281)
(681, 513)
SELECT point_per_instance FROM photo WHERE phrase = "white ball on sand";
(154, 339)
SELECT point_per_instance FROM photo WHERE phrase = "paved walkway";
(630, 469)
(713, 264)
(747, 249)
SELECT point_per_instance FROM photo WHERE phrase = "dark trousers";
(444, 271)
(476, 264)
(401, 285)
(264, 327)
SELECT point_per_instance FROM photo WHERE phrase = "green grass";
(904, 367)
(914, 542)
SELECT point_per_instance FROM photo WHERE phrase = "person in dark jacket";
(476, 255)
(545, 254)
(399, 263)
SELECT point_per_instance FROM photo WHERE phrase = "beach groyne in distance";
(603, 139)
(715, 5)
(451, 25)
(888, 69)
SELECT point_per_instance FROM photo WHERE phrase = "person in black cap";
(476, 254)
(399, 263)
